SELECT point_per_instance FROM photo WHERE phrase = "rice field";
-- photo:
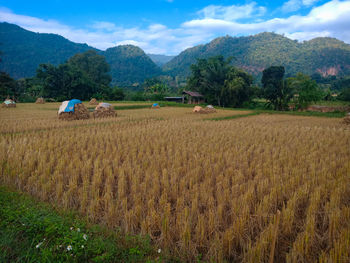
(254, 189)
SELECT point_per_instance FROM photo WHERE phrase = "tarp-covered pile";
(8, 103)
(73, 110)
(104, 110)
(155, 106)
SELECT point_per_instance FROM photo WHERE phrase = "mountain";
(327, 56)
(130, 65)
(160, 60)
(23, 51)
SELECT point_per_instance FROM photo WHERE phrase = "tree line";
(86, 75)
(225, 85)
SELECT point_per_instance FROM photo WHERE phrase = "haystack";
(155, 106)
(206, 110)
(73, 110)
(103, 110)
(8, 103)
(346, 120)
(93, 101)
(197, 109)
(40, 101)
(210, 109)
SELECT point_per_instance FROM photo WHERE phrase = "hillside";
(23, 51)
(130, 65)
(327, 56)
(160, 60)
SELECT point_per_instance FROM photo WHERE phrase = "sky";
(170, 26)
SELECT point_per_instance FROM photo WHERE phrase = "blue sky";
(170, 26)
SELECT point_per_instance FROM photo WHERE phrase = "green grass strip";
(306, 113)
(132, 107)
(31, 231)
(237, 116)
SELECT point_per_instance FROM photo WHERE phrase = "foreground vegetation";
(34, 232)
(229, 190)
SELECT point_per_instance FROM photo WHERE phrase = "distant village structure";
(189, 97)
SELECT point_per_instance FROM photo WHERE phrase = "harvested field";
(197, 187)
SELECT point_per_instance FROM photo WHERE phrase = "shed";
(175, 99)
(192, 97)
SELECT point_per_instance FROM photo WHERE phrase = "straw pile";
(93, 101)
(8, 103)
(104, 110)
(346, 120)
(206, 110)
(40, 101)
(80, 113)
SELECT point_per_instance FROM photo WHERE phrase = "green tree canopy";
(8, 86)
(275, 89)
(220, 83)
(305, 89)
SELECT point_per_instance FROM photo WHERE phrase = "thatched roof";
(192, 93)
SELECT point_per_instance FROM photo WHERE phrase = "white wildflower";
(69, 248)
(82, 246)
(38, 245)
(71, 228)
(78, 229)
(85, 237)
(159, 250)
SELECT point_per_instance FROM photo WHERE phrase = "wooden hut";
(192, 97)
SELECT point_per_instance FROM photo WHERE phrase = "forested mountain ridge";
(23, 51)
(129, 65)
(327, 56)
(160, 60)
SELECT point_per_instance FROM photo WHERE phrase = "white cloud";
(294, 5)
(233, 12)
(330, 19)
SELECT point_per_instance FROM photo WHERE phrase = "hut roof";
(192, 93)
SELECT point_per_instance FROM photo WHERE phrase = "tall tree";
(208, 77)
(238, 88)
(93, 65)
(275, 90)
(306, 90)
(8, 87)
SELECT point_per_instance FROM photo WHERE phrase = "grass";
(233, 116)
(34, 232)
(132, 107)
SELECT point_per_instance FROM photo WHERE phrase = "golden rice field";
(243, 190)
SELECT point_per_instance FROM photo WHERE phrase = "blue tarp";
(70, 106)
(155, 104)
